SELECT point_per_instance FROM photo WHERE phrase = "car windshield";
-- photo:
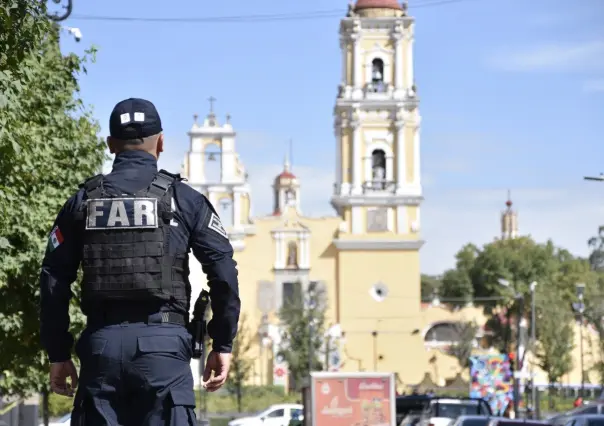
(453, 411)
(518, 423)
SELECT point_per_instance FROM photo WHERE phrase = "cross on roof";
(212, 99)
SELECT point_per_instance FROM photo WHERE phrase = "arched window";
(377, 75)
(378, 169)
(443, 333)
(292, 255)
(212, 163)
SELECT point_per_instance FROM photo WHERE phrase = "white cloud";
(593, 86)
(586, 56)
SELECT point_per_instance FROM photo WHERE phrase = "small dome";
(377, 4)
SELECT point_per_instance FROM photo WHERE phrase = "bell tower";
(509, 221)
(286, 189)
(212, 166)
(378, 189)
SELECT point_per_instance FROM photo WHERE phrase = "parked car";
(441, 411)
(562, 419)
(502, 421)
(410, 407)
(472, 421)
(586, 420)
(275, 415)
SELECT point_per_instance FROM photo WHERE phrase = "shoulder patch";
(55, 239)
(216, 225)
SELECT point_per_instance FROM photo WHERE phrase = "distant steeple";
(509, 221)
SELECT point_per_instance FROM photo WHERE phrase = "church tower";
(509, 221)
(377, 190)
(212, 166)
(286, 190)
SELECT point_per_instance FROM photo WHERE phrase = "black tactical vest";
(125, 245)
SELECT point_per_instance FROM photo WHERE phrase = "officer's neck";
(143, 158)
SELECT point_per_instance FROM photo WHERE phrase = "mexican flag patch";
(55, 239)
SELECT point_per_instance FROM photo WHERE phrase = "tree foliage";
(430, 286)
(48, 145)
(303, 320)
(520, 262)
(462, 349)
(241, 364)
(555, 336)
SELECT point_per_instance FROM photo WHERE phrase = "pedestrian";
(131, 231)
(578, 402)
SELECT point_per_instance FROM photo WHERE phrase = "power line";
(294, 16)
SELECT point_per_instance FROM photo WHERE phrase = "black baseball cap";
(134, 119)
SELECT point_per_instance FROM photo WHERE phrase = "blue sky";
(512, 97)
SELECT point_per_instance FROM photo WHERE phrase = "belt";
(116, 317)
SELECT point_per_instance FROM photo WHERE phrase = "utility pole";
(311, 312)
(519, 297)
(533, 286)
(580, 308)
(517, 396)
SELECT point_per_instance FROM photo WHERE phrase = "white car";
(63, 421)
(275, 415)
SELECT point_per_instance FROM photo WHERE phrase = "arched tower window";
(292, 255)
(378, 169)
(377, 75)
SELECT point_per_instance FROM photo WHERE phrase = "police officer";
(131, 231)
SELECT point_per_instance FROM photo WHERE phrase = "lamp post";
(520, 299)
(580, 308)
(532, 287)
(311, 314)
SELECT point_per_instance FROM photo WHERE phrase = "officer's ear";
(110, 145)
(160, 144)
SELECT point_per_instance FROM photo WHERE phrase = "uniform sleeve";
(211, 246)
(59, 271)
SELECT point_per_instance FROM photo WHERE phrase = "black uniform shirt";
(134, 171)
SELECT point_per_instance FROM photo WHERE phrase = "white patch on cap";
(125, 118)
(139, 116)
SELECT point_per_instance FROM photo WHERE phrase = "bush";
(59, 405)
(255, 398)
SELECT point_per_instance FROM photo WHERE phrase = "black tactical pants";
(135, 374)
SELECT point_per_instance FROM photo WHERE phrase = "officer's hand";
(59, 372)
(219, 364)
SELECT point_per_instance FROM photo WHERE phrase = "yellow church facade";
(366, 257)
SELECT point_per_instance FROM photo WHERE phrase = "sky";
(512, 98)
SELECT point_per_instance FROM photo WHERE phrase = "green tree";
(23, 24)
(519, 261)
(430, 285)
(457, 283)
(48, 145)
(241, 364)
(555, 335)
(303, 320)
(464, 346)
